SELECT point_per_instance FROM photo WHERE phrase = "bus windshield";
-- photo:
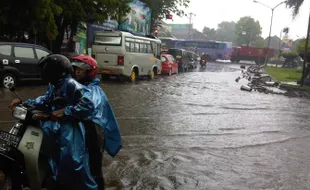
(222, 45)
(108, 40)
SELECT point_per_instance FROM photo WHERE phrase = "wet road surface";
(197, 130)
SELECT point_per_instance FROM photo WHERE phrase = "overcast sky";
(211, 12)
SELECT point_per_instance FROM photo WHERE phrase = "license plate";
(10, 139)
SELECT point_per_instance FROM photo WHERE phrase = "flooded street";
(197, 130)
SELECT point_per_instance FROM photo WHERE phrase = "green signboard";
(81, 43)
(179, 26)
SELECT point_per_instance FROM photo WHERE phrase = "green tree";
(247, 30)
(89, 11)
(161, 8)
(294, 5)
(210, 33)
(226, 31)
(259, 42)
(50, 18)
(198, 35)
(18, 17)
(301, 46)
(286, 30)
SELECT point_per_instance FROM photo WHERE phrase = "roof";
(25, 44)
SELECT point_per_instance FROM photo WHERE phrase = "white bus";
(126, 55)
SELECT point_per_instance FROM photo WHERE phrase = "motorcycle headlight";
(20, 113)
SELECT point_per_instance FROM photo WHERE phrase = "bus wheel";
(152, 76)
(133, 76)
(154, 72)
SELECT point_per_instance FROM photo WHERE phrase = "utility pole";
(190, 25)
(269, 38)
(305, 56)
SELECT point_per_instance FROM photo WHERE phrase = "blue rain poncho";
(70, 165)
(104, 117)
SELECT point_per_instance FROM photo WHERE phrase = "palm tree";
(294, 5)
(286, 30)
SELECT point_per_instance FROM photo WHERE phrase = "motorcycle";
(22, 161)
(203, 63)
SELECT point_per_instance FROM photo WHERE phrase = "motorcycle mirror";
(12, 89)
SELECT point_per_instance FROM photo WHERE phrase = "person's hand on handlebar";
(14, 103)
(58, 114)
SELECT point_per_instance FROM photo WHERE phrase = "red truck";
(251, 54)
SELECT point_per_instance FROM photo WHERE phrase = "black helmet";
(55, 67)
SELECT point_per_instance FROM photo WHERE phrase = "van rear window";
(175, 52)
(108, 40)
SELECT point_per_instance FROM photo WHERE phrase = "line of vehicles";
(127, 56)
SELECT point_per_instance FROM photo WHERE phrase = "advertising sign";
(138, 20)
(81, 38)
(287, 45)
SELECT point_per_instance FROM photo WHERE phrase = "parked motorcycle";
(22, 161)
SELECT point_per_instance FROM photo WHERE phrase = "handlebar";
(28, 112)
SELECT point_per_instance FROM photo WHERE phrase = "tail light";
(120, 60)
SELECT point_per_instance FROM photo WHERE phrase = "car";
(18, 61)
(182, 57)
(169, 65)
(193, 57)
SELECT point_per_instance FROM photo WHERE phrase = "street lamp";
(272, 9)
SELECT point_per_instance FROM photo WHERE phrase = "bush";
(289, 55)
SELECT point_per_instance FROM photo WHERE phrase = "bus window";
(149, 48)
(215, 45)
(155, 50)
(221, 45)
(229, 44)
(158, 50)
(137, 47)
(167, 43)
(132, 47)
(108, 40)
(143, 48)
(127, 46)
(204, 45)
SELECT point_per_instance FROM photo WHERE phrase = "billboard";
(287, 45)
(138, 21)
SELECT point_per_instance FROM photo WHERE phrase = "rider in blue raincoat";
(67, 132)
(86, 70)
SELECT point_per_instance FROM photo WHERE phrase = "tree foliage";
(210, 33)
(258, 42)
(247, 30)
(301, 46)
(161, 8)
(286, 30)
(294, 5)
(290, 55)
(224, 32)
(50, 18)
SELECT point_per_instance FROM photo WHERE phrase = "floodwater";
(197, 130)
